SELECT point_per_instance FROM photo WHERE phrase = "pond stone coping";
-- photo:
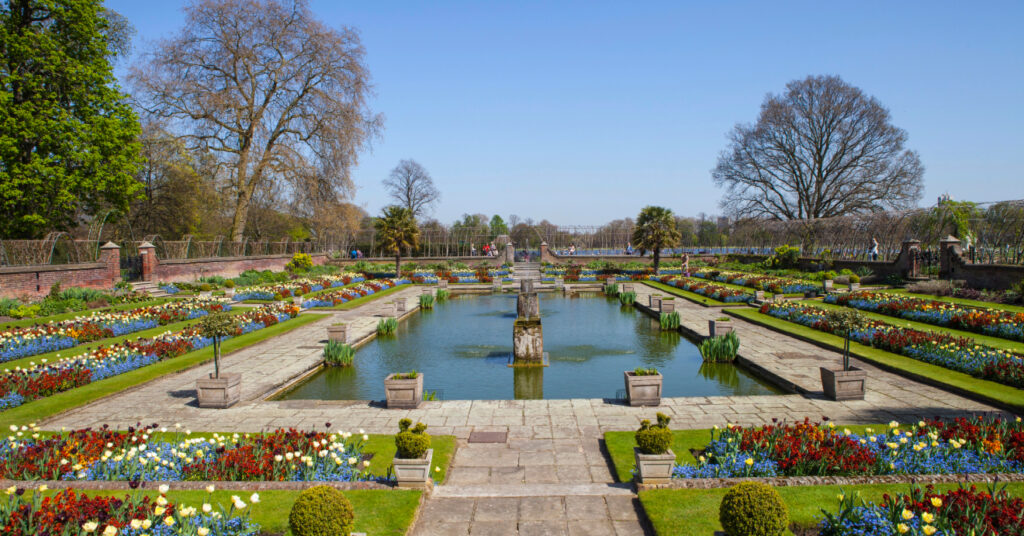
(784, 481)
(192, 485)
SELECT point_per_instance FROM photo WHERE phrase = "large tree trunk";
(398, 264)
(657, 258)
(239, 219)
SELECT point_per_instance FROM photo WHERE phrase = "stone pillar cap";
(110, 245)
(950, 238)
(146, 244)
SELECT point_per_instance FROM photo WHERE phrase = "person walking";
(472, 250)
(629, 248)
(874, 249)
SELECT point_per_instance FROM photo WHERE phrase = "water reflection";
(528, 383)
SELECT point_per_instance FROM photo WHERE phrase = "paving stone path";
(551, 476)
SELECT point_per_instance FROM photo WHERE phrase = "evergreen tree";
(68, 138)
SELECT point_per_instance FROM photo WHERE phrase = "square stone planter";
(827, 285)
(400, 304)
(655, 302)
(338, 332)
(717, 328)
(220, 393)
(843, 384)
(442, 283)
(403, 394)
(643, 390)
(627, 287)
(413, 472)
(229, 293)
(654, 468)
(759, 296)
(668, 305)
(854, 287)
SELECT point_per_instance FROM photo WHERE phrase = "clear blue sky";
(583, 112)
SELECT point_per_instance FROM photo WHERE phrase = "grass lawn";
(961, 301)
(991, 392)
(692, 512)
(692, 296)
(383, 448)
(83, 348)
(987, 340)
(620, 445)
(75, 314)
(38, 410)
(378, 512)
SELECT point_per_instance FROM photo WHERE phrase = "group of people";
(355, 254)
(489, 250)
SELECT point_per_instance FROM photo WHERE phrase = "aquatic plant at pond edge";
(669, 321)
(627, 298)
(426, 301)
(338, 354)
(387, 326)
(720, 349)
(442, 294)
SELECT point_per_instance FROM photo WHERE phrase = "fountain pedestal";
(527, 332)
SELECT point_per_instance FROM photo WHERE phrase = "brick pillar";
(949, 257)
(910, 256)
(149, 263)
(110, 255)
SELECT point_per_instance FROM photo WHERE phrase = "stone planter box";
(827, 285)
(413, 472)
(717, 328)
(643, 390)
(220, 393)
(400, 306)
(338, 333)
(298, 300)
(843, 384)
(229, 293)
(759, 295)
(654, 468)
(627, 287)
(442, 283)
(854, 287)
(205, 293)
(403, 394)
(559, 283)
(655, 302)
(668, 305)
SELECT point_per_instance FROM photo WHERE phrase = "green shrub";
(25, 311)
(300, 261)
(654, 438)
(753, 509)
(8, 304)
(828, 275)
(784, 257)
(720, 349)
(278, 296)
(854, 278)
(338, 354)
(426, 301)
(321, 511)
(669, 321)
(387, 326)
(641, 371)
(411, 443)
(627, 298)
(205, 287)
(230, 283)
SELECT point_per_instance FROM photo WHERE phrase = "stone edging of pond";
(713, 483)
(190, 485)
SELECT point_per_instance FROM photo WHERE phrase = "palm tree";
(396, 230)
(655, 229)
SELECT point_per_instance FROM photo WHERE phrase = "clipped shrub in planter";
(753, 509)
(411, 443)
(321, 511)
(653, 457)
(338, 354)
(413, 456)
(230, 283)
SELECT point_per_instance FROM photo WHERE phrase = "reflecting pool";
(463, 348)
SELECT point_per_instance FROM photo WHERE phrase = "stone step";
(532, 490)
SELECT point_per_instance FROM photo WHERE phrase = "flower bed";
(68, 512)
(955, 353)
(296, 287)
(710, 290)
(775, 285)
(21, 342)
(46, 379)
(978, 445)
(962, 511)
(139, 455)
(994, 322)
(338, 297)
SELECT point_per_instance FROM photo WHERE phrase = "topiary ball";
(753, 509)
(321, 511)
(413, 443)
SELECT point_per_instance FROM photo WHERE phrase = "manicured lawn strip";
(83, 348)
(383, 448)
(692, 296)
(64, 316)
(378, 512)
(620, 445)
(990, 392)
(363, 299)
(694, 512)
(37, 410)
(961, 301)
(987, 340)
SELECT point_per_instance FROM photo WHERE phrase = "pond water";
(463, 347)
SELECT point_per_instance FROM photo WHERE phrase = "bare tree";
(411, 187)
(821, 149)
(266, 87)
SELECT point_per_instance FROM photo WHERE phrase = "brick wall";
(988, 276)
(191, 269)
(35, 281)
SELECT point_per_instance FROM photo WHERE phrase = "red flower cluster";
(806, 448)
(66, 512)
(965, 510)
(992, 435)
